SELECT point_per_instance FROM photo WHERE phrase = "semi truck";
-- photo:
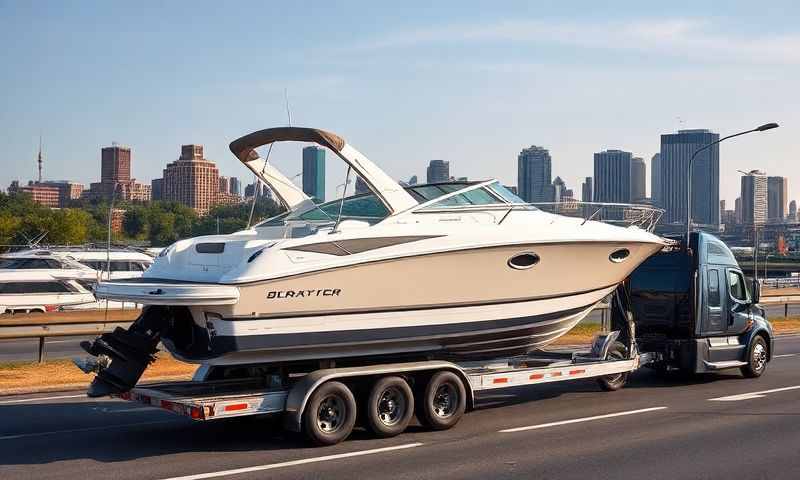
(688, 308)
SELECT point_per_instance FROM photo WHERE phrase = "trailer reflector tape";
(236, 406)
(577, 372)
(578, 420)
(555, 374)
(536, 376)
(500, 380)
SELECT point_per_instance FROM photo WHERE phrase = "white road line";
(23, 400)
(784, 355)
(578, 420)
(752, 395)
(273, 466)
(79, 430)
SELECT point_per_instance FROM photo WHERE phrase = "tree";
(137, 222)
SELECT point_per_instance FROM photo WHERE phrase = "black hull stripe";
(442, 334)
(488, 303)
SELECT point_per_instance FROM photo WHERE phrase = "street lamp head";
(767, 126)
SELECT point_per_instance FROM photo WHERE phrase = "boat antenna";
(286, 99)
(108, 239)
(39, 158)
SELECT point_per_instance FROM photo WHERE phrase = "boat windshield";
(367, 207)
(487, 195)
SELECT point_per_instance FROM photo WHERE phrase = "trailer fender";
(301, 391)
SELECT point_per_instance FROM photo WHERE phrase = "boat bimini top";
(385, 188)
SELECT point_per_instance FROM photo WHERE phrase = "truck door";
(738, 302)
(713, 321)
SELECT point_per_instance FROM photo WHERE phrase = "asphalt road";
(67, 347)
(658, 428)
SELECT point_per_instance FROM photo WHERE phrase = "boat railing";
(622, 214)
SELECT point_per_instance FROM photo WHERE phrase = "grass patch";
(19, 377)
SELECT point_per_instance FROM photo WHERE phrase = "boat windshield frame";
(503, 204)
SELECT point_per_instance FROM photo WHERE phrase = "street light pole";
(766, 126)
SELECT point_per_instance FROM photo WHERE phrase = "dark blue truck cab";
(693, 307)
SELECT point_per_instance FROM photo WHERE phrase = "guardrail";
(63, 324)
(785, 282)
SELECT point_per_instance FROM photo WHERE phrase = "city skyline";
(521, 75)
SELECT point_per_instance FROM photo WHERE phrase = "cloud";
(689, 38)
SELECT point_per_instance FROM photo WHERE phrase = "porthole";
(523, 261)
(619, 256)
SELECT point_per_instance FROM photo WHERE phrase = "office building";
(612, 176)
(534, 176)
(45, 195)
(236, 186)
(638, 180)
(586, 190)
(192, 180)
(676, 150)
(314, 172)
(438, 171)
(792, 211)
(157, 189)
(777, 199)
(361, 186)
(655, 179)
(115, 177)
(754, 198)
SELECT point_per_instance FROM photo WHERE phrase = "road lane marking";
(752, 395)
(784, 355)
(273, 466)
(80, 430)
(584, 419)
(23, 400)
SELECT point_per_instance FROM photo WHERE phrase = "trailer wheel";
(330, 414)
(389, 407)
(615, 381)
(757, 358)
(444, 401)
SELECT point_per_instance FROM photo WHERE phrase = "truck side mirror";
(756, 291)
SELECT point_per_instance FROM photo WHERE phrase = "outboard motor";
(122, 356)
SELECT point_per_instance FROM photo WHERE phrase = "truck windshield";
(665, 272)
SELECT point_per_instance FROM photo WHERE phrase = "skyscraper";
(676, 150)
(754, 198)
(157, 189)
(314, 172)
(534, 175)
(638, 179)
(586, 190)
(115, 164)
(361, 186)
(792, 211)
(192, 180)
(224, 184)
(236, 186)
(115, 177)
(655, 179)
(612, 176)
(438, 171)
(777, 198)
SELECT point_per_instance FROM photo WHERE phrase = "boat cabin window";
(15, 288)
(29, 263)
(360, 207)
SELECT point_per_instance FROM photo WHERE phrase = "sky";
(404, 82)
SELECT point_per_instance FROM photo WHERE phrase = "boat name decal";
(321, 292)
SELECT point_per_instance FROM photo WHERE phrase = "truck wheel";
(757, 359)
(330, 414)
(444, 401)
(390, 406)
(615, 381)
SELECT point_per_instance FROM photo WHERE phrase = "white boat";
(461, 270)
(45, 290)
(122, 262)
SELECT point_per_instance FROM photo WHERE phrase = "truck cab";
(692, 305)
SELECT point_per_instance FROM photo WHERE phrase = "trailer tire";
(389, 407)
(615, 381)
(330, 414)
(756, 358)
(444, 401)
